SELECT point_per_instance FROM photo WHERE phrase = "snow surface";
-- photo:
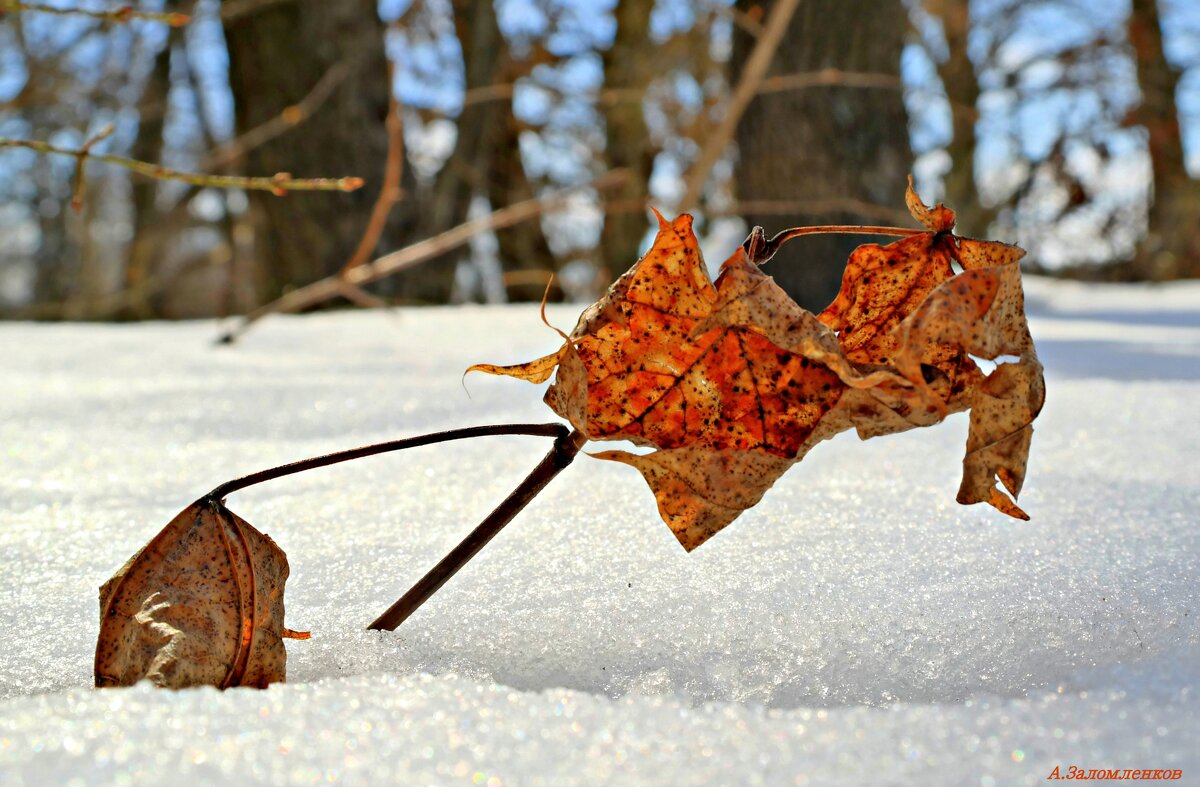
(856, 627)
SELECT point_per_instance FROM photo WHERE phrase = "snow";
(856, 627)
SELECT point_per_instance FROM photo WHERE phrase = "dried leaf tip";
(663, 224)
(938, 218)
(542, 311)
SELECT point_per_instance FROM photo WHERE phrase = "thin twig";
(801, 80)
(84, 152)
(323, 289)
(566, 448)
(279, 184)
(485, 93)
(747, 22)
(357, 295)
(747, 87)
(220, 156)
(534, 430)
(121, 15)
(288, 118)
(393, 171)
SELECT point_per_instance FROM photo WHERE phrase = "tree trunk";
(144, 251)
(276, 55)
(486, 161)
(1171, 248)
(627, 65)
(523, 247)
(958, 77)
(463, 174)
(55, 260)
(825, 142)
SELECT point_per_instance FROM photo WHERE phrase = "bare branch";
(122, 15)
(286, 120)
(360, 297)
(84, 152)
(289, 118)
(831, 77)
(485, 93)
(279, 184)
(745, 21)
(391, 192)
(331, 286)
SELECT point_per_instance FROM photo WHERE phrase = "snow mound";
(857, 626)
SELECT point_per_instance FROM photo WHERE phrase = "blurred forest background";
(1069, 126)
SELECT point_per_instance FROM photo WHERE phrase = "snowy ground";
(856, 627)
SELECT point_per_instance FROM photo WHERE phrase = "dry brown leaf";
(734, 382)
(884, 285)
(982, 312)
(200, 605)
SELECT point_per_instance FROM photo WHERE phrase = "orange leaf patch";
(733, 382)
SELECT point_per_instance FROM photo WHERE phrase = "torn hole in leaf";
(987, 366)
(629, 447)
(931, 373)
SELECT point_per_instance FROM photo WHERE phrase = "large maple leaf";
(733, 382)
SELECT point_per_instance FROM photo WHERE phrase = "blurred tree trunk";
(959, 80)
(486, 159)
(628, 69)
(148, 146)
(523, 247)
(55, 260)
(463, 174)
(277, 53)
(1171, 248)
(825, 142)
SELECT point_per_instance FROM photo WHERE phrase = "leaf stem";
(760, 250)
(558, 431)
(566, 448)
